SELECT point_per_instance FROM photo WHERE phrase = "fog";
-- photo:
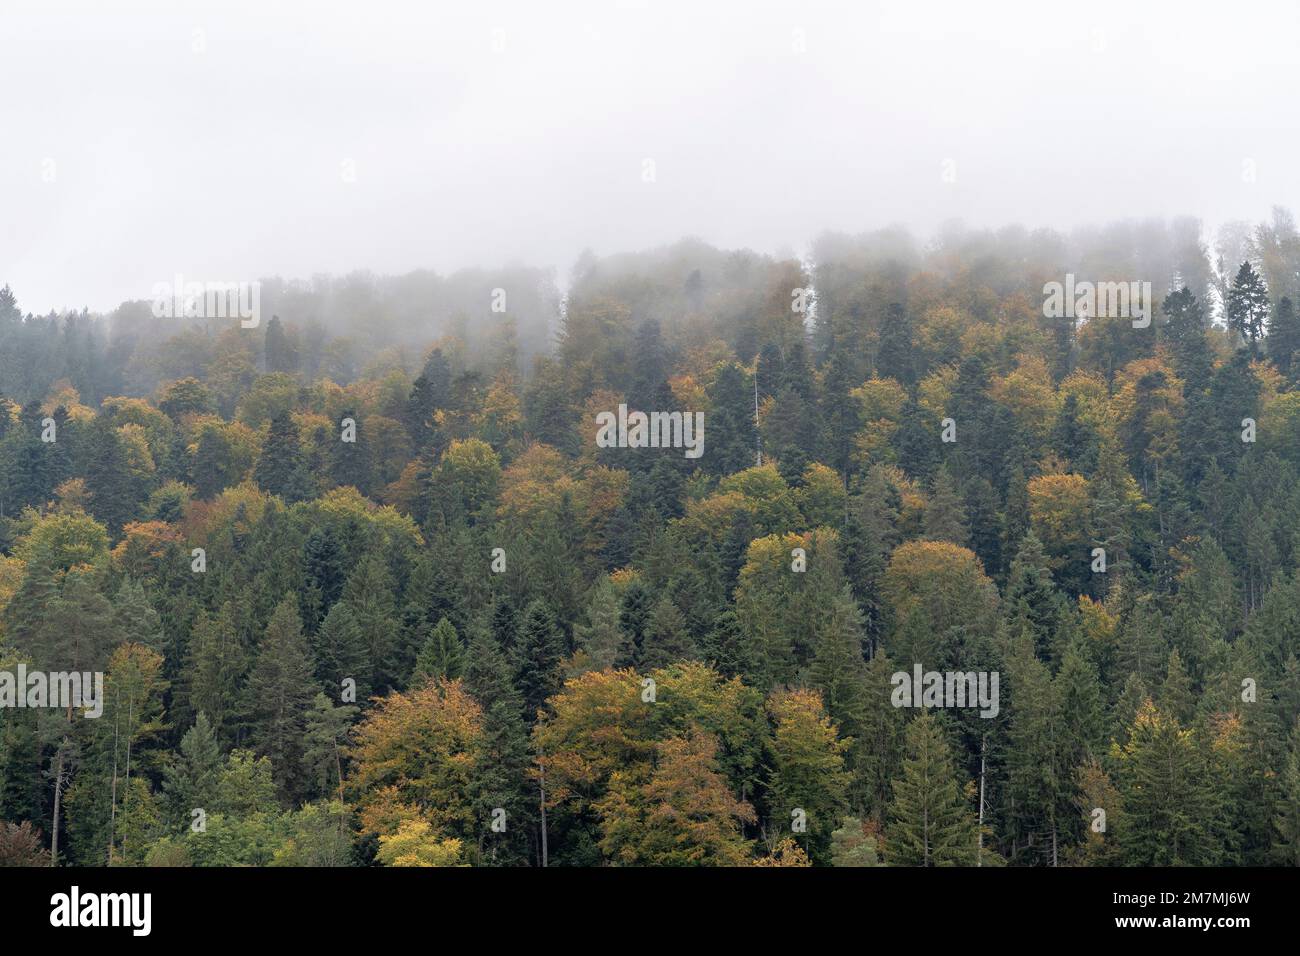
(232, 140)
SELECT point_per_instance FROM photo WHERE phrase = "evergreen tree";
(945, 518)
(282, 686)
(1167, 797)
(1284, 338)
(108, 478)
(369, 596)
(1287, 820)
(602, 637)
(930, 823)
(280, 464)
(666, 637)
(350, 461)
(851, 845)
(342, 653)
(1248, 307)
(501, 777)
(281, 351)
(441, 656)
(430, 392)
(324, 741)
(190, 779)
(538, 656)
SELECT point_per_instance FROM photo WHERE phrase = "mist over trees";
(366, 589)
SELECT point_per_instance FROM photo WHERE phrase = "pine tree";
(430, 392)
(501, 777)
(733, 439)
(281, 459)
(1083, 714)
(281, 686)
(1176, 697)
(108, 477)
(1032, 601)
(1248, 307)
(369, 596)
(324, 742)
(190, 779)
(840, 673)
(135, 618)
(342, 653)
(930, 823)
(1037, 778)
(666, 637)
(1168, 797)
(442, 655)
(602, 638)
(538, 656)
(1284, 338)
(896, 357)
(350, 462)
(945, 518)
(1287, 821)
(852, 845)
(281, 352)
(213, 468)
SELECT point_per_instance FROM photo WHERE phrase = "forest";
(365, 589)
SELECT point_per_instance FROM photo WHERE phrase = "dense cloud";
(236, 141)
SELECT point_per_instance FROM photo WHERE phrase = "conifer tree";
(280, 463)
(350, 462)
(602, 637)
(281, 686)
(441, 656)
(342, 653)
(190, 779)
(1248, 307)
(538, 656)
(324, 742)
(1168, 801)
(1284, 338)
(930, 823)
(945, 518)
(501, 779)
(1287, 820)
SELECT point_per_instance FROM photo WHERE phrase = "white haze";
(226, 163)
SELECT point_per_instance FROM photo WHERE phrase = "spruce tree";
(538, 656)
(190, 779)
(1248, 307)
(441, 656)
(342, 653)
(281, 458)
(930, 823)
(501, 778)
(281, 687)
(945, 518)
(1284, 338)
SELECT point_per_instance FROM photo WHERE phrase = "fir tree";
(281, 687)
(930, 823)
(1248, 307)
(442, 655)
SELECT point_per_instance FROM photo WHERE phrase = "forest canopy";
(365, 588)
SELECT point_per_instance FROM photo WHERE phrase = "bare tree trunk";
(979, 860)
(338, 768)
(112, 820)
(130, 716)
(58, 799)
(543, 805)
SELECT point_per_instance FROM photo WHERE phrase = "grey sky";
(211, 139)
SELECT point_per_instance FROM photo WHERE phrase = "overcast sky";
(232, 140)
